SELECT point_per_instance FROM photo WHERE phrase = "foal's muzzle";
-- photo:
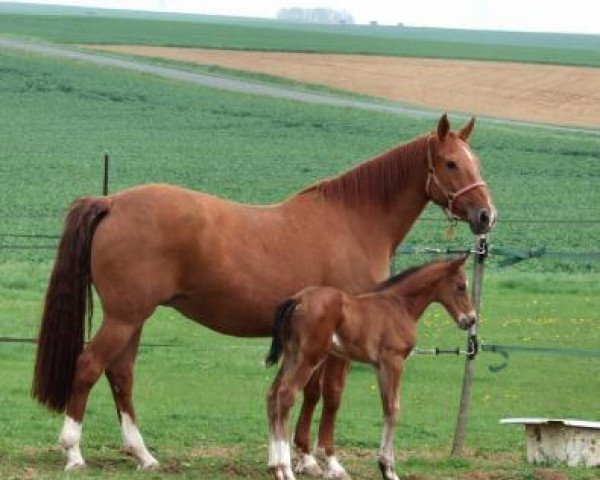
(467, 321)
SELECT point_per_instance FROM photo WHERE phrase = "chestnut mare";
(378, 328)
(227, 265)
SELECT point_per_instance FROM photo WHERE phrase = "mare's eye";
(451, 165)
(461, 287)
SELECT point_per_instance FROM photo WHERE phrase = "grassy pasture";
(201, 405)
(264, 35)
(58, 117)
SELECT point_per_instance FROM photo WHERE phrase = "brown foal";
(378, 328)
(226, 265)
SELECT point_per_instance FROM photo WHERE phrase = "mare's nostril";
(484, 217)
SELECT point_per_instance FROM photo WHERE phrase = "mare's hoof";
(308, 465)
(74, 465)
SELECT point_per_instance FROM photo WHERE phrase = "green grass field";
(243, 34)
(60, 121)
(201, 404)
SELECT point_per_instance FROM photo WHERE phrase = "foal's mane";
(405, 274)
(378, 179)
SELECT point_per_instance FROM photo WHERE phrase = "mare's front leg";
(388, 376)
(334, 378)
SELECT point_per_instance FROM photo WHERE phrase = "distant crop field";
(554, 94)
(201, 401)
(263, 35)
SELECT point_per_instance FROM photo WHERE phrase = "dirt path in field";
(257, 88)
(535, 93)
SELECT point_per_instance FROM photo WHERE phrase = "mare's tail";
(69, 295)
(284, 311)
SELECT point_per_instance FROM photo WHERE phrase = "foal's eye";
(461, 287)
(451, 165)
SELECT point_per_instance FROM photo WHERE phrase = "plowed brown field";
(540, 93)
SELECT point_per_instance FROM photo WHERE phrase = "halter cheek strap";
(451, 197)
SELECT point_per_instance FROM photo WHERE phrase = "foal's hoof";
(74, 465)
(149, 465)
(307, 465)
(337, 474)
(388, 471)
(281, 472)
(335, 470)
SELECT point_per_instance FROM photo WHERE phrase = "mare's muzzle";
(481, 220)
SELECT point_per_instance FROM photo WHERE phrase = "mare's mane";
(378, 179)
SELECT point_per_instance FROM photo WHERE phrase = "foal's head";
(453, 294)
(454, 178)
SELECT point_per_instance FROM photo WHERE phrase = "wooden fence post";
(460, 431)
(105, 183)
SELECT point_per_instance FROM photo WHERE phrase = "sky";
(573, 16)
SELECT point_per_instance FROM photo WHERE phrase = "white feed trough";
(575, 442)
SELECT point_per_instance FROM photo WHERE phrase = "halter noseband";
(451, 197)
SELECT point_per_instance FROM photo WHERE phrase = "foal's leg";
(279, 453)
(112, 337)
(334, 378)
(282, 394)
(120, 378)
(388, 376)
(307, 464)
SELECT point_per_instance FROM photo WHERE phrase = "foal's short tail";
(68, 297)
(284, 311)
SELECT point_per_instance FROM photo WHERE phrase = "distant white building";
(315, 15)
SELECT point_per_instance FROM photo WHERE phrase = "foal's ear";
(459, 262)
(465, 132)
(443, 127)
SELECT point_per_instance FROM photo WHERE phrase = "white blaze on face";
(467, 151)
(134, 443)
(69, 441)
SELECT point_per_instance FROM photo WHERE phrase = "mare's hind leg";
(120, 377)
(112, 337)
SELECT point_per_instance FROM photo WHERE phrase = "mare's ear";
(465, 132)
(443, 127)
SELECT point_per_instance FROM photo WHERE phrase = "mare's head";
(454, 177)
(453, 294)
